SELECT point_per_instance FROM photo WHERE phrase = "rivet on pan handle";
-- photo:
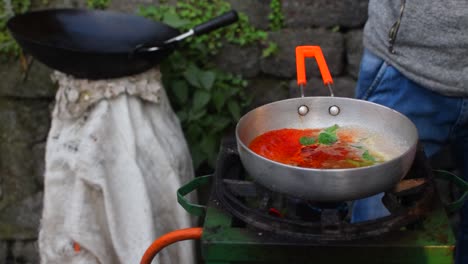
(303, 52)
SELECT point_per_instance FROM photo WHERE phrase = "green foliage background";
(207, 100)
(8, 46)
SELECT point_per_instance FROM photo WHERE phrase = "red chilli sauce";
(328, 148)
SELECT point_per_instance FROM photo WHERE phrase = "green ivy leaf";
(271, 49)
(219, 99)
(234, 109)
(213, 149)
(173, 20)
(200, 100)
(191, 75)
(207, 79)
(178, 61)
(335, 29)
(208, 144)
(181, 91)
(221, 123)
(95, 4)
(247, 100)
(208, 121)
(198, 157)
(306, 141)
(197, 115)
(194, 132)
(182, 115)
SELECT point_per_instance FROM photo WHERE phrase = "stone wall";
(306, 23)
(26, 98)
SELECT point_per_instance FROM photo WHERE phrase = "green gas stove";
(226, 240)
(245, 223)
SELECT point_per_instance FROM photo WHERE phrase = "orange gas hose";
(170, 238)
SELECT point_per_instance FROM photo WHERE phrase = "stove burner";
(259, 208)
(311, 211)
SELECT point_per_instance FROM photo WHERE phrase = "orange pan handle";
(303, 52)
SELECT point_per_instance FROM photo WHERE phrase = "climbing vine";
(98, 4)
(207, 100)
(276, 17)
(8, 9)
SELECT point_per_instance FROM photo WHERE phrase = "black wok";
(100, 44)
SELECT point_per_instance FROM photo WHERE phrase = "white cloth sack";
(115, 157)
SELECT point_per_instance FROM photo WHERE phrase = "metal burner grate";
(265, 210)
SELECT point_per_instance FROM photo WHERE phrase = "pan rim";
(330, 171)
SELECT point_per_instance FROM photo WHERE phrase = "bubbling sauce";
(328, 148)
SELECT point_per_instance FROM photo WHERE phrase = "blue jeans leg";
(438, 118)
(460, 153)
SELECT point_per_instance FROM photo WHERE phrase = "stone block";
(283, 63)
(21, 175)
(354, 49)
(3, 251)
(26, 252)
(257, 11)
(324, 13)
(22, 170)
(266, 90)
(239, 60)
(35, 84)
(25, 124)
(19, 180)
(24, 121)
(24, 214)
(38, 158)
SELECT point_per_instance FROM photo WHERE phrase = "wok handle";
(217, 22)
(303, 52)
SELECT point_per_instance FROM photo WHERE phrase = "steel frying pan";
(327, 185)
(97, 44)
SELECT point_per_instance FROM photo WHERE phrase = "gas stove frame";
(419, 234)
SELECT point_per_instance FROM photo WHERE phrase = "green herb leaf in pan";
(331, 129)
(362, 163)
(367, 156)
(306, 141)
(327, 138)
(328, 135)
